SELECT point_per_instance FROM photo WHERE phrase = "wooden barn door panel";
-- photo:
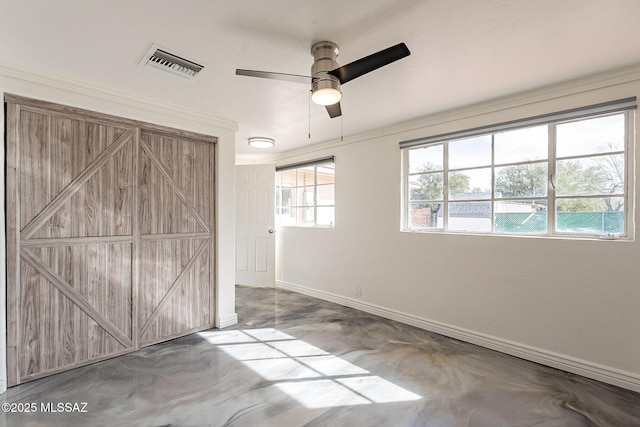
(176, 245)
(75, 178)
(110, 236)
(70, 287)
(174, 299)
(72, 311)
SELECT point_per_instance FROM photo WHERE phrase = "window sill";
(306, 227)
(592, 238)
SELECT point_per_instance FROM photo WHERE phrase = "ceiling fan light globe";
(326, 96)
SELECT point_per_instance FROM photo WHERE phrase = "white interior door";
(255, 231)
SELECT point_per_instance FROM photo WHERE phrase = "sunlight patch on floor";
(310, 375)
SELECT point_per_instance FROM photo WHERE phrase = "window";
(560, 174)
(305, 194)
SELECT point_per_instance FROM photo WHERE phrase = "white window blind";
(576, 113)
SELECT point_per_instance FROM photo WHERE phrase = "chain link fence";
(573, 222)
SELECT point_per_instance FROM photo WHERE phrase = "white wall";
(572, 304)
(28, 83)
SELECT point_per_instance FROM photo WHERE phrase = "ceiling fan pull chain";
(309, 117)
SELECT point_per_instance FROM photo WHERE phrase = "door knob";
(271, 231)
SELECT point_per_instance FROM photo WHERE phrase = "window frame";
(315, 164)
(628, 151)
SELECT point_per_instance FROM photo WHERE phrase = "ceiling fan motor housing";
(324, 54)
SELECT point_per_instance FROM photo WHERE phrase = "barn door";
(175, 221)
(69, 203)
(110, 236)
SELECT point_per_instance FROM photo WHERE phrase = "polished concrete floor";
(295, 360)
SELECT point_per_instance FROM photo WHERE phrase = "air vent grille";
(175, 64)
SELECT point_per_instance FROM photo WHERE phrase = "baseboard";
(566, 363)
(226, 321)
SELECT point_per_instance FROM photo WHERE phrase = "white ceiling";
(462, 52)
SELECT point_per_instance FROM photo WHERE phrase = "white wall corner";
(225, 231)
(566, 363)
(226, 321)
(3, 275)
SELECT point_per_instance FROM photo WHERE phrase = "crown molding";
(547, 93)
(62, 83)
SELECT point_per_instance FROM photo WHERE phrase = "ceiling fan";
(327, 76)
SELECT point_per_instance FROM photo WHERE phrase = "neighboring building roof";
(458, 208)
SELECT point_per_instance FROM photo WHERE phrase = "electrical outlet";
(358, 292)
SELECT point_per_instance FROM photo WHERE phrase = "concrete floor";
(294, 360)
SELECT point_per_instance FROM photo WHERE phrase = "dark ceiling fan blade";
(296, 78)
(369, 63)
(334, 110)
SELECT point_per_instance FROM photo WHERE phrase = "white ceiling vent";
(162, 59)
